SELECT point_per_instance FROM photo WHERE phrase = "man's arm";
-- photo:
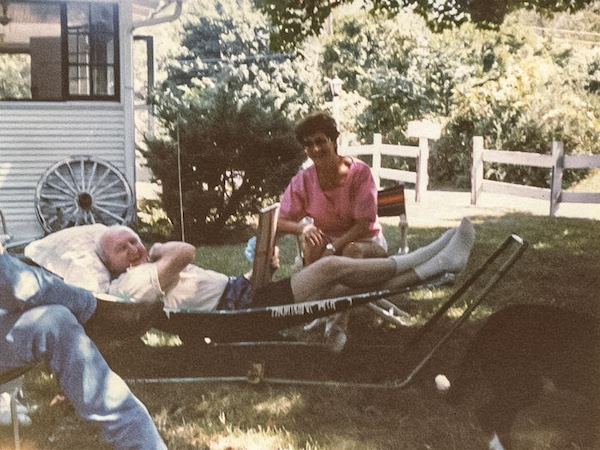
(171, 258)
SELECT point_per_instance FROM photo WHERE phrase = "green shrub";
(153, 224)
(233, 160)
(450, 159)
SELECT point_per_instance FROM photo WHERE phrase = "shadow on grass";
(559, 268)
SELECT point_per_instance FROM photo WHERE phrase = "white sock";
(453, 258)
(419, 256)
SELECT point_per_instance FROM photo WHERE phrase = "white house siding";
(34, 136)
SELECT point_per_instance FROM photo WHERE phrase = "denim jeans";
(41, 320)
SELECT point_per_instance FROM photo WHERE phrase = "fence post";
(477, 169)
(376, 166)
(422, 165)
(557, 176)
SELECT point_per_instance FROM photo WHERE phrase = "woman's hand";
(313, 236)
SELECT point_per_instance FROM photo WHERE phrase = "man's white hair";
(110, 231)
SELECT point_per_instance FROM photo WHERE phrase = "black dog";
(521, 348)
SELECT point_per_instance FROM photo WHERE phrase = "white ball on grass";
(442, 383)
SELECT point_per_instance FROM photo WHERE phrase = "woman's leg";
(363, 248)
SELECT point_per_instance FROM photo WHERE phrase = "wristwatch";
(330, 247)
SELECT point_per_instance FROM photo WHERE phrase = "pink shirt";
(334, 211)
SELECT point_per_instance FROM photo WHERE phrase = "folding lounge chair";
(244, 327)
(255, 323)
(390, 203)
(266, 322)
(7, 240)
(265, 245)
(250, 326)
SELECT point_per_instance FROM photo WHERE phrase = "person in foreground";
(165, 272)
(337, 192)
(42, 320)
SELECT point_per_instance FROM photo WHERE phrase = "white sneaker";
(316, 324)
(335, 339)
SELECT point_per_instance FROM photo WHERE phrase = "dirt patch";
(445, 209)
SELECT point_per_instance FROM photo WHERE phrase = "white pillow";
(70, 254)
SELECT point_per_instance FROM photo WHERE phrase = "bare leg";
(364, 250)
(355, 249)
(332, 276)
(328, 275)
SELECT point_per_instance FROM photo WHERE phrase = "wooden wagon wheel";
(83, 190)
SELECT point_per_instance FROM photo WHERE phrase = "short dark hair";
(317, 122)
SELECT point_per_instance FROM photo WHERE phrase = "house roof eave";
(154, 12)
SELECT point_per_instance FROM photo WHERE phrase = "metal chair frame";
(475, 289)
(494, 269)
(11, 382)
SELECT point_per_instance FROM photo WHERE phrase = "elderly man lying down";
(113, 259)
(166, 272)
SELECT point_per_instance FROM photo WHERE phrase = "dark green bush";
(450, 159)
(234, 160)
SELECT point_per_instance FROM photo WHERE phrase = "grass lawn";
(560, 267)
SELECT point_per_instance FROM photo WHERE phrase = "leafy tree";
(14, 76)
(402, 70)
(230, 103)
(232, 160)
(524, 92)
(226, 45)
(519, 89)
(295, 20)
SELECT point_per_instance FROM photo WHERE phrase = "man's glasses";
(319, 142)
